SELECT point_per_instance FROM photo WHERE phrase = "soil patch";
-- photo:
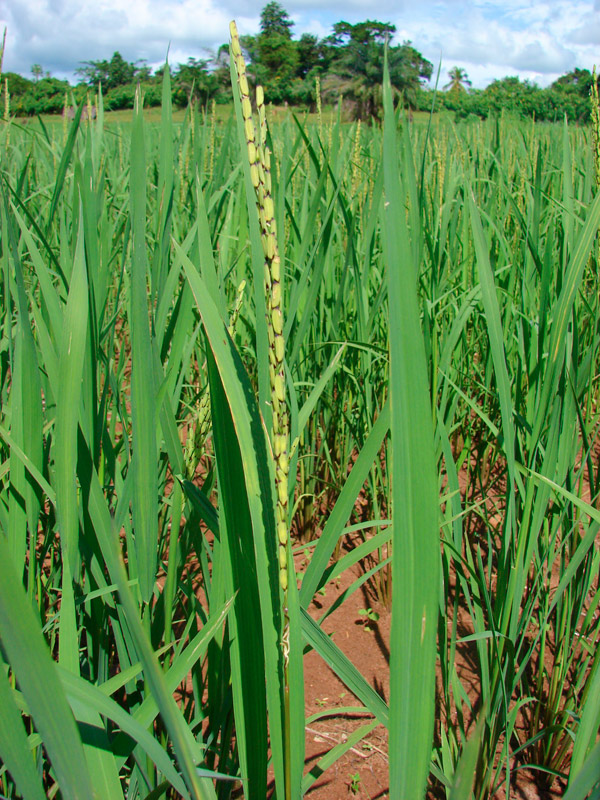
(365, 639)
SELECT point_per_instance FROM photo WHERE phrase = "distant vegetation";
(348, 63)
(254, 376)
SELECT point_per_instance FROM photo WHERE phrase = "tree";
(37, 72)
(356, 70)
(219, 64)
(45, 96)
(521, 98)
(113, 73)
(459, 80)
(409, 70)
(310, 54)
(17, 84)
(363, 33)
(570, 95)
(277, 52)
(275, 21)
(143, 72)
(578, 80)
(18, 88)
(272, 54)
(193, 79)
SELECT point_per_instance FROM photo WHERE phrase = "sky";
(534, 40)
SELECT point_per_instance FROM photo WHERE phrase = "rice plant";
(215, 339)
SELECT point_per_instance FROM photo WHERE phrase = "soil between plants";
(363, 771)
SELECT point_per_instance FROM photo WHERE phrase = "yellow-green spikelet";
(595, 125)
(6, 101)
(273, 291)
(259, 159)
(319, 108)
(595, 118)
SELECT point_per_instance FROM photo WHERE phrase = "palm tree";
(459, 80)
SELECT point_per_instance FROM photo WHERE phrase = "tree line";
(348, 63)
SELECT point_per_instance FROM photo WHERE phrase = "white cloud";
(60, 34)
(587, 31)
(489, 38)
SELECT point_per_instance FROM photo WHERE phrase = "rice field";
(228, 346)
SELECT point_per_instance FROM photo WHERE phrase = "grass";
(223, 113)
(438, 315)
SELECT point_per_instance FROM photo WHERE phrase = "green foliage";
(124, 96)
(520, 98)
(275, 21)
(356, 66)
(194, 80)
(348, 62)
(18, 87)
(46, 96)
(310, 54)
(459, 80)
(567, 97)
(570, 95)
(113, 73)
(273, 54)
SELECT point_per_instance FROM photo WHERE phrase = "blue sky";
(488, 38)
